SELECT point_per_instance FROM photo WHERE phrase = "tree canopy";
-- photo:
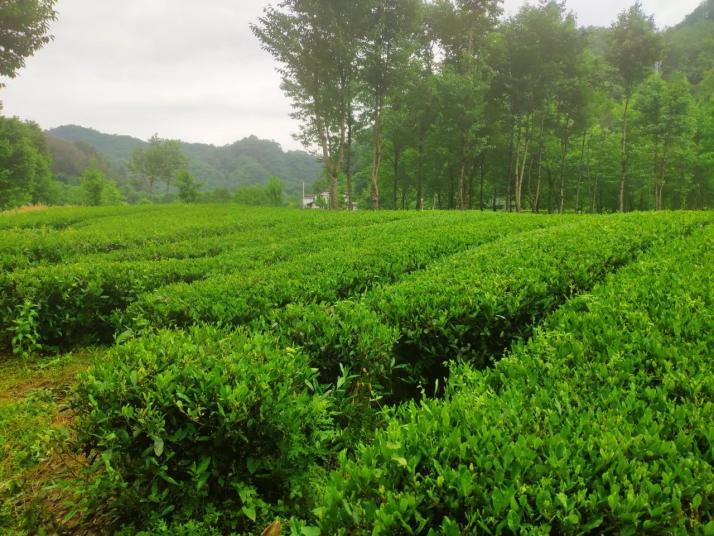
(24, 164)
(24, 29)
(446, 104)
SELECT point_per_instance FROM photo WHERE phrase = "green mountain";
(71, 158)
(246, 162)
(689, 46)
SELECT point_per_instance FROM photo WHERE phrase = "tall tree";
(159, 161)
(93, 183)
(316, 44)
(274, 192)
(633, 49)
(535, 58)
(666, 120)
(461, 28)
(24, 164)
(388, 43)
(187, 186)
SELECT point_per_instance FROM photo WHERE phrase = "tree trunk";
(462, 185)
(376, 149)
(348, 164)
(462, 174)
(481, 193)
(623, 175)
(395, 192)
(539, 183)
(581, 175)
(521, 161)
(330, 167)
(539, 178)
(509, 177)
(662, 173)
(451, 188)
(374, 176)
(420, 176)
(564, 145)
(472, 175)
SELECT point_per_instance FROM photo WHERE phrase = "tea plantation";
(220, 370)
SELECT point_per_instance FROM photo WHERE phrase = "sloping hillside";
(245, 162)
(690, 45)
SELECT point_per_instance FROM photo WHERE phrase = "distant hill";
(246, 162)
(71, 158)
(690, 45)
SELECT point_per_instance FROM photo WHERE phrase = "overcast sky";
(186, 69)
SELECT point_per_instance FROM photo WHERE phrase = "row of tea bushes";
(239, 428)
(69, 304)
(62, 217)
(50, 245)
(265, 231)
(471, 305)
(602, 423)
(132, 233)
(344, 269)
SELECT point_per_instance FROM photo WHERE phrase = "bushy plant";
(352, 350)
(180, 424)
(600, 424)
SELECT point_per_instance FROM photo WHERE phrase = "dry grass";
(25, 209)
(37, 466)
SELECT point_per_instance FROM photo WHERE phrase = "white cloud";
(186, 69)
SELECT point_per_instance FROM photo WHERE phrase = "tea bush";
(78, 301)
(328, 275)
(181, 424)
(600, 424)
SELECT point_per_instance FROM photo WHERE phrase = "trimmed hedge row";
(601, 423)
(341, 271)
(20, 248)
(272, 231)
(26, 247)
(474, 304)
(185, 424)
(69, 304)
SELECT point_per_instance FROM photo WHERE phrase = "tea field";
(215, 370)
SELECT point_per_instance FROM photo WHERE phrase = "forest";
(447, 104)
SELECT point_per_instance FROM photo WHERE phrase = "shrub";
(352, 351)
(600, 424)
(183, 423)
(366, 258)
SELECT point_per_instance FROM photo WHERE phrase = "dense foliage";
(245, 163)
(396, 372)
(449, 105)
(24, 29)
(24, 164)
(601, 423)
(208, 420)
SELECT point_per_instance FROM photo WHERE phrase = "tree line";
(446, 104)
